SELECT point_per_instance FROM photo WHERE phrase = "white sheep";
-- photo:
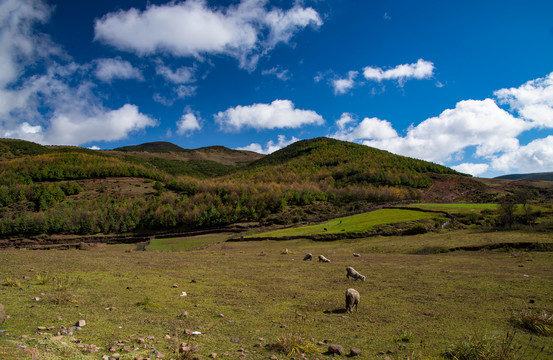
(352, 299)
(308, 256)
(354, 274)
(323, 259)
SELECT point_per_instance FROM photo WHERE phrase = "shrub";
(415, 230)
(537, 322)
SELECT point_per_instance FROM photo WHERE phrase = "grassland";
(245, 293)
(187, 243)
(356, 223)
(456, 208)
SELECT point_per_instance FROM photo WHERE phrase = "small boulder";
(80, 323)
(354, 352)
(336, 349)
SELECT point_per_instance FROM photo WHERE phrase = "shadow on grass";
(336, 311)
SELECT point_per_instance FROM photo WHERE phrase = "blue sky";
(467, 84)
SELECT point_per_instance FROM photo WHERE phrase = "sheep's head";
(363, 277)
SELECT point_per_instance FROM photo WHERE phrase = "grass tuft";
(66, 282)
(43, 279)
(483, 348)
(537, 322)
(12, 282)
(295, 344)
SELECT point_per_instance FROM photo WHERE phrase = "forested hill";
(72, 190)
(342, 163)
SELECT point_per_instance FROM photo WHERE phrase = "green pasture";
(242, 296)
(455, 208)
(187, 243)
(355, 223)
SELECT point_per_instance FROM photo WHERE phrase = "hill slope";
(342, 163)
(548, 176)
(72, 190)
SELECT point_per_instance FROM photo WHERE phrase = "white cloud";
(276, 115)
(481, 124)
(472, 169)
(193, 29)
(109, 69)
(281, 74)
(369, 128)
(271, 146)
(342, 86)
(533, 100)
(422, 69)
(75, 127)
(537, 156)
(19, 45)
(182, 75)
(57, 106)
(187, 124)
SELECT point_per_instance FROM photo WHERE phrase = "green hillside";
(71, 190)
(339, 164)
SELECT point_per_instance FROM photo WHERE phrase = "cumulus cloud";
(276, 115)
(188, 123)
(342, 86)
(472, 169)
(109, 69)
(533, 100)
(537, 156)
(422, 69)
(489, 131)
(58, 106)
(271, 146)
(193, 29)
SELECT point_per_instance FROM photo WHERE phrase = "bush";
(416, 230)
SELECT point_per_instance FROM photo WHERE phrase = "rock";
(356, 255)
(183, 315)
(213, 355)
(235, 340)
(140, 341)
(175, 286)
(36, 298)
(273, 357)
(327, 341)
(41, 328)
(113, 349)
(221, 315)
(336, 349)
(26, 277)
(80, 323)
(354, 352)
(167, 337)
(258, 345)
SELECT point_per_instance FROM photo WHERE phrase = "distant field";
(187, 243)
(456, 208)
(355, 223)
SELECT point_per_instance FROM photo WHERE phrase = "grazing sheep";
(354, 274)
(352, 299)
(323, 259)
(308, 256)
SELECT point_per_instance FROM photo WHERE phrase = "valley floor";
(242, 296)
